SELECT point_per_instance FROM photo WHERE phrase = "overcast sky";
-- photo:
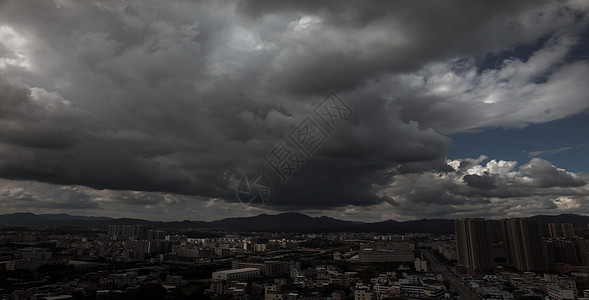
(156, 109)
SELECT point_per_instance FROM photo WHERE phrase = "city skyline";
(157, 111)
(153, 260)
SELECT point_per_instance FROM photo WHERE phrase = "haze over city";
(157, 109)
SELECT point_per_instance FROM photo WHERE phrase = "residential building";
(567, 230)
(524, 245)
(553, 230)
(473, 245)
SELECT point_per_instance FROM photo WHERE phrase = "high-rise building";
(156, 234)
(113, 230)
(473, 245)
(567, 230)
(562, 251)
(137, 232)
(583, 251)
(553, 230)
(524, 245)
(127, 231)
(141, 232)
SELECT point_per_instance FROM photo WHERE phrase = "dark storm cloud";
(167, 122)
(46, 138)
(37, 119)
(401, 37)
(185, 97)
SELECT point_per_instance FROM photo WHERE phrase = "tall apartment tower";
(473, 245)
(113, 230)
(567, 230)
(524, 245)
(553, 230)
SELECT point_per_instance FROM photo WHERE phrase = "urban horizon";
(287, 213)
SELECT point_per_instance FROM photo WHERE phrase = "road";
(456, 284)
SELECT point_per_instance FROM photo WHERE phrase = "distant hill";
(285, 222)
(65, 217)
(20, 219)
(578, 221)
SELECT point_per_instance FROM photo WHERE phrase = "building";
(137, 232)
(176, 280)
(156, 235)
(141, 232)
(423, 291)
(555, 292)
(124, 279)
(272, 292)
(583, 245)
(473, 245)
(259, 247)
(562, 251)
(386, 255)
(553, 230)
(36, 254)
(146, 246)
(364, 294)
(193, 253)
(567, 230)
(276, 268)
(498, 252)
(113, 230)
(420, 265)
(23, 264)
(563, 268)
(127, 231)
(524, 246)
(237, 274)
(267, 268)
(218, 287)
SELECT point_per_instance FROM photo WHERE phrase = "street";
(456, 283)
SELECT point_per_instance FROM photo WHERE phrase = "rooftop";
(238, 270)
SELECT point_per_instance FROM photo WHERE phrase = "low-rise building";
(388, 255)
(236, 274)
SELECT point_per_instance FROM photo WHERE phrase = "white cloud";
(17, 46)
(554, 151)
(458, 95)
(489, 189)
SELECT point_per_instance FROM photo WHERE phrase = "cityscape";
(515, 258)
(276, 150)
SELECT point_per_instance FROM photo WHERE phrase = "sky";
(157, 109)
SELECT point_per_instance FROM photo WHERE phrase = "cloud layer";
(472, 187)
(106, 99)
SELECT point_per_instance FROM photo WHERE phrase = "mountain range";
(284, 222)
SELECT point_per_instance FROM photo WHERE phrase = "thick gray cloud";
(485, 181)
(183, 98)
